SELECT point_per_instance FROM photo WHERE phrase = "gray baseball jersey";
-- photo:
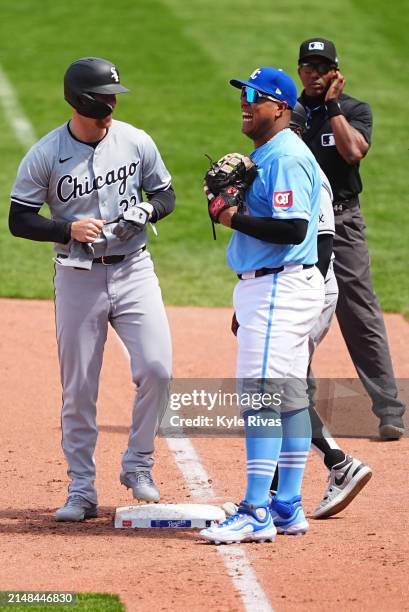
(326, 224)
(78, 181)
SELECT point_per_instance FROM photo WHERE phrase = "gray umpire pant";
(127, 296)
(359, 314)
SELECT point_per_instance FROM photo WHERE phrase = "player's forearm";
(350, 143)
(25, 222)
(163, 203)
(278, 231)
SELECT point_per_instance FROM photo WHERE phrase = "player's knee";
(156, 372)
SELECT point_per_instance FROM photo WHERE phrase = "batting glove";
(133, 221)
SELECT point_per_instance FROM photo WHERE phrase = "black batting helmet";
(298, 117)
(88, 76)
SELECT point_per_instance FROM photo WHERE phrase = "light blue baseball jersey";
(287, 186)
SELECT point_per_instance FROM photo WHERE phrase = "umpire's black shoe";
(391, 427)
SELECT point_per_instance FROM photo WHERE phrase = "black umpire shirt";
(344, 178)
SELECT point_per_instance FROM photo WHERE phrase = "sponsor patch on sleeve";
(283, 199)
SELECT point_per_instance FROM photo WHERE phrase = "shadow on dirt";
(40, 521)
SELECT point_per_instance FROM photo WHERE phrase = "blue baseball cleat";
(249, 524)
(288, 516)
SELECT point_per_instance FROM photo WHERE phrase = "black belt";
(343, 205)
(108, 260)
(265, 271)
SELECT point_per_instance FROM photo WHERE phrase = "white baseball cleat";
(346, 480)
(248, 524)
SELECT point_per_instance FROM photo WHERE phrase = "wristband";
(333, 109)
(147, 207)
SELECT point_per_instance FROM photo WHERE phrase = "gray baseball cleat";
(142, 485)
(346, 479)
(76, 509)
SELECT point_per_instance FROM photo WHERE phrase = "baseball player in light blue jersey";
(349, 475)
(92, 172)
(277, 301)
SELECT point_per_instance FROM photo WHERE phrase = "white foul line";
(192, 470)
(14, 114)
(234, 556)
(244, 578)
(235, 559)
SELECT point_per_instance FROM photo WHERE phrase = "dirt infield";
(356, 561)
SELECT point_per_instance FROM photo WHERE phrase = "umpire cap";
(87, 76)
(318, 46)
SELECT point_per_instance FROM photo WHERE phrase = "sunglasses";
(320, 68)
(253, 96)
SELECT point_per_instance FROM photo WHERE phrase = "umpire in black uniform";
(339, 135)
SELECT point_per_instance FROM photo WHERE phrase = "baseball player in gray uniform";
(347, 474)
(92, 172)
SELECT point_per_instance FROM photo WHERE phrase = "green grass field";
(177, 58)
(86, 602)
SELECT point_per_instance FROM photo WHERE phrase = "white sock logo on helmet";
(115, 74)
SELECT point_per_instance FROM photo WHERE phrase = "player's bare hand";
(336, 88)
(226, 215)
(87, 230)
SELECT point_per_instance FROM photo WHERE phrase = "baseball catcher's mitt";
(226, 199)
(234, 170)
(234, 325)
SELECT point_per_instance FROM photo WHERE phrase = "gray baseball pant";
(360, 317)
(321, 437)
(126, 295)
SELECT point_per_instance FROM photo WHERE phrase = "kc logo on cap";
(255, 73)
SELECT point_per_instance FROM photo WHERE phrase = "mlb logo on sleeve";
(283, 199)
(328, 140)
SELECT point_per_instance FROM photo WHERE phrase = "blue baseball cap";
(273, 82)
